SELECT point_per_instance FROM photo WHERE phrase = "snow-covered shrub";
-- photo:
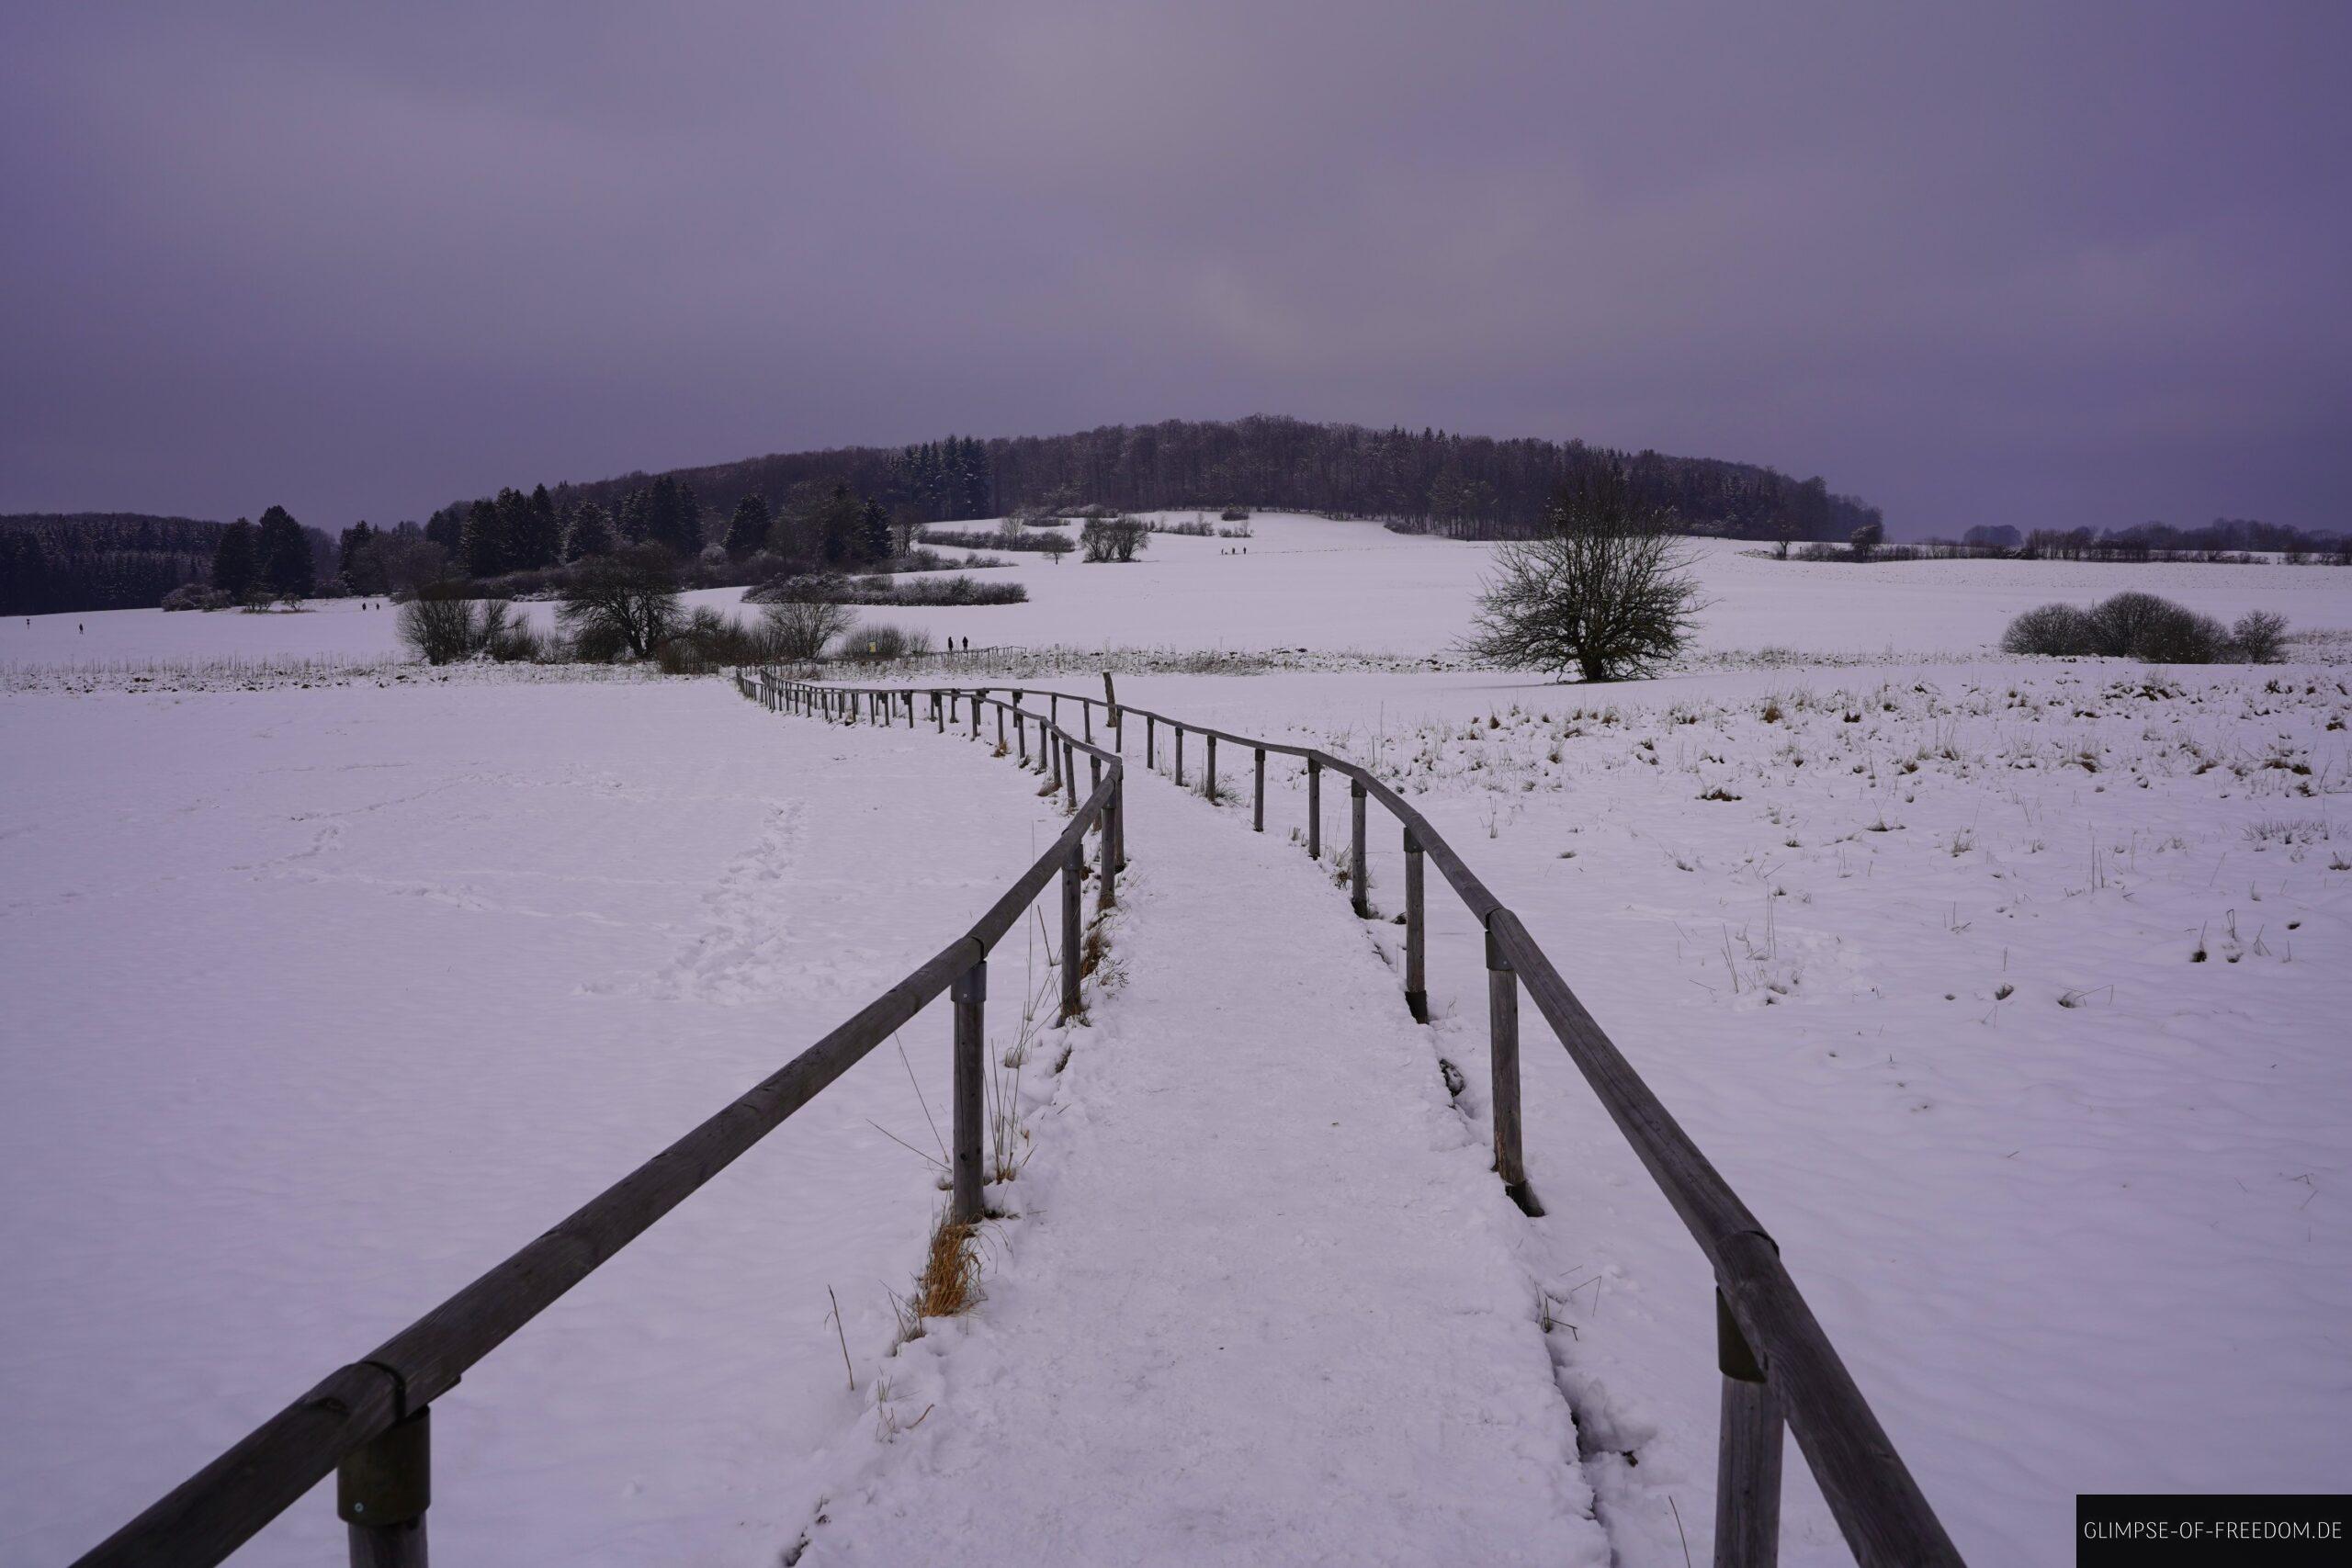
(441, 625)
(875, 642)
(2259, 636)
(195, 596)
(2061, 631)
(799, 629)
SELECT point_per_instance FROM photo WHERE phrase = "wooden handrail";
(209, 1515)
(1771, 1338)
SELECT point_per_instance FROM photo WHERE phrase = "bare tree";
(441, 624)
(1113, 538)
(1606, 591)
(802, 627)
(627, 599)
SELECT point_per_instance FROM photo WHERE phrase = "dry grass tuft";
(950, 1281)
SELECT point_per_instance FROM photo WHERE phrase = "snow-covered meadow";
(324, 997)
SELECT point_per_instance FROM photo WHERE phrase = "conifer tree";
(747, 529)
(482, 549)
(236, 561)
(284, 550)
(590, 533)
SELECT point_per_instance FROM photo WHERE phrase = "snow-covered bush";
(2056, 631)
(800, 628)
(194, 596)
(2259, 635)
(2142, 626)
(441, 625)
(875, 642)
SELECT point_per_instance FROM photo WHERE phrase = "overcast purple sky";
(2046, 265)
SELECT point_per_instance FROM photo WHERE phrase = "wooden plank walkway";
(1261, 1303)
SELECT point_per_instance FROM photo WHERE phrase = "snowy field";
(322, 999)
(1307, 582)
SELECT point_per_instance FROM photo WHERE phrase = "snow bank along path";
(1792, 1364)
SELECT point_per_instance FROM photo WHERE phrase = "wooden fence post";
(1021, 731)
(1209, 774)
(1314, 808)
(1747, 1462)
(969, 993)
(1073, 923)
(1179, 756)
(1107, 854)
(1502, 1055)
(381, 1491)
(1358, 874)
(1148, 723)
(1258, 795)
(939, 712)
(1417, 980)
(1070, 771)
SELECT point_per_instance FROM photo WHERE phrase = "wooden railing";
(1778, 1366)
(369, 1422)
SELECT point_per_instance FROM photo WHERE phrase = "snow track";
(1258, 1299)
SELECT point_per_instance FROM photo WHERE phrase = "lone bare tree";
(628, 599)
(1606, 591)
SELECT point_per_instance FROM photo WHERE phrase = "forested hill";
(53, 561)
(1468, 485)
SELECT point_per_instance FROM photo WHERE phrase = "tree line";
(54, 563)
(1466, 486)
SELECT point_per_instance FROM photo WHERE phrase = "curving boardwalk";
(1261, 1303)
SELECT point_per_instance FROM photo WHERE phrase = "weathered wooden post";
(1358, 874)
(381, 1491)
(999, 727)
(1502, 1055)
(1088, 710)
(939, 712)
(1179, 756)
(975, 711)
(1119, 810)
(1073, 926)
(1258, 796)
(969, 993)
(1021, 731)
(1747, 1462)
(1209, 774)
(1315, 809)
(1417, 980)
(1070, 771)
(1107, 852)
(1148, 758)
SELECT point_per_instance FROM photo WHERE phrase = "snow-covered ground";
(322, 1000)
(1925, 986)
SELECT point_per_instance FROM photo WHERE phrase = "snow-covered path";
(1258, 1299)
